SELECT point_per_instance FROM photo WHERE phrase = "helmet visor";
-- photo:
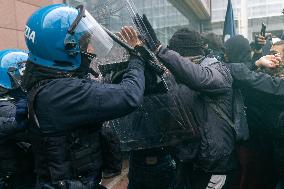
(94, 40)
(93, 36)
(16, 73)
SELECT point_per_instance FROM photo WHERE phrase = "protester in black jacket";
(211, 80)
(163, 120)
(266, 92)
(255, 154)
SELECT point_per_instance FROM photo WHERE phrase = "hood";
(238, 49)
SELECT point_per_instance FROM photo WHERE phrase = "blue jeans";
(156, 175)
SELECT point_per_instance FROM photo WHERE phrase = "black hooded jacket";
(238, 52)
(265, 97)
(209, 81)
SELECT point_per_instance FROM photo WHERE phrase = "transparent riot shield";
(163, 120)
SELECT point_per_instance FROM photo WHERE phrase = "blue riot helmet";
(12, 66)
(58, 36)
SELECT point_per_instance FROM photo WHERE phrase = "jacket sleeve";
(8, 126)
(201, 78)
(8, 123)
(116, 100)
(75, 101)
(255, 57)
(262, 82)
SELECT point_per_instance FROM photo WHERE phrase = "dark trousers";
(280, 185)
(256, 168)
(189, 178)
(155, 171)
(18, 185)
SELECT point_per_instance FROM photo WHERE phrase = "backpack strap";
(222, 114)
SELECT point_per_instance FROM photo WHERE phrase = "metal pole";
(244, 18)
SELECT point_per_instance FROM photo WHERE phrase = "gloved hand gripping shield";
(126, 11)
(164, 118)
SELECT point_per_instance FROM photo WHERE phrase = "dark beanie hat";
(187, 43)
(238, 49)
(213, 41)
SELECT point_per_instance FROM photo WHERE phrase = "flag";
(229, 24)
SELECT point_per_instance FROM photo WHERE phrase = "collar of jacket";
(208, 61)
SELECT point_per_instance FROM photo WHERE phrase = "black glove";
(152, 33)
(147, 33)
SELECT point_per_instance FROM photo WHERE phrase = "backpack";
(239, 121)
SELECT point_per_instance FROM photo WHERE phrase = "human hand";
(130, 36)
(260, 40)
(269, 61)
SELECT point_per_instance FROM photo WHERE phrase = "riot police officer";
(16, 162)
(67, 108)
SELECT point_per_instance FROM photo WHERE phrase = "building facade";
(266, 11)
(165, 16)
(13, 17)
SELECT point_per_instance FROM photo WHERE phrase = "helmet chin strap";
(86, 61)
(91, 56)
(94, 73)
